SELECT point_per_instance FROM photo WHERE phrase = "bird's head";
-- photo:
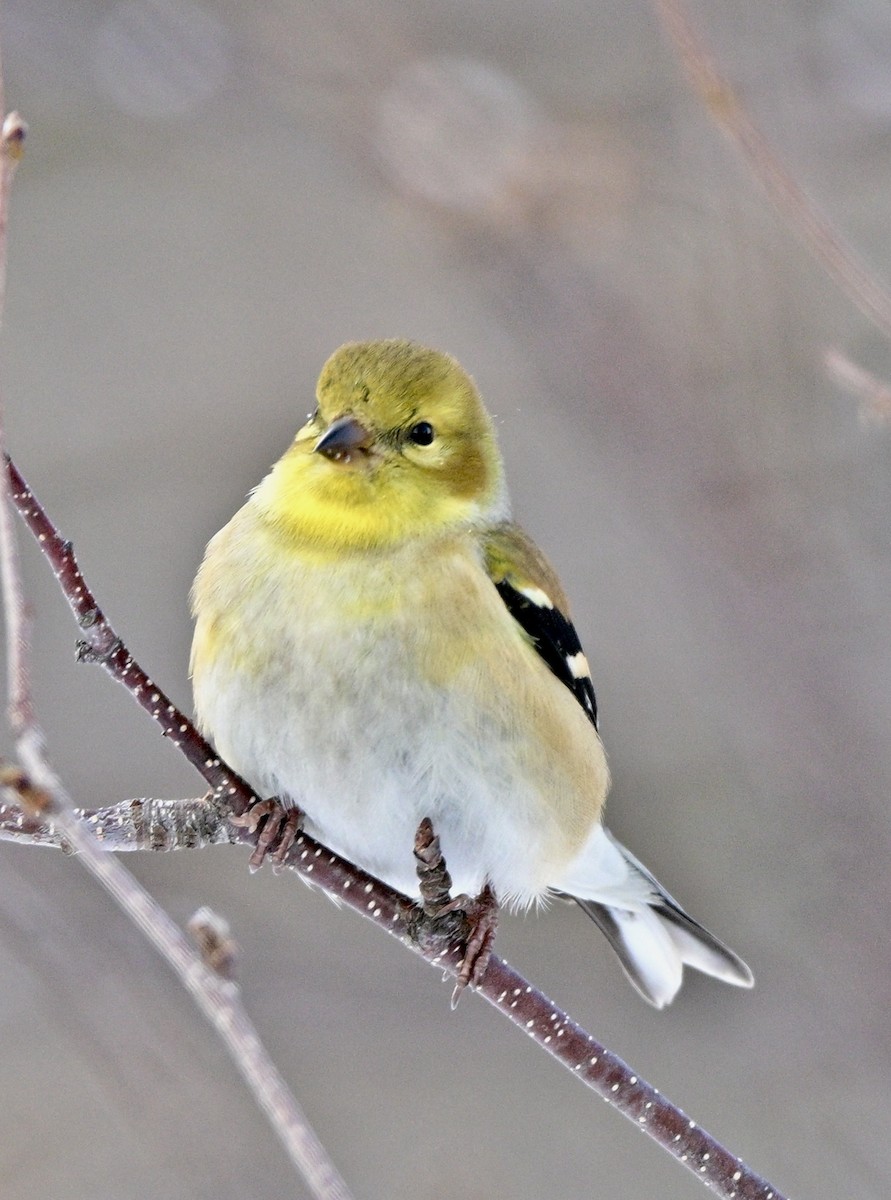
(400, 447)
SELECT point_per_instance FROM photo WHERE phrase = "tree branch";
(840, 261)
(144, 823)
(503, 987)
(873, 394)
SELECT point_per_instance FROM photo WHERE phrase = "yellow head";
(400, 447)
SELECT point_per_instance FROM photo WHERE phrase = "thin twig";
(840, 261)
(233, 1024)
(18, 618)
(523, 1004)
(873, 394)
(144, 823)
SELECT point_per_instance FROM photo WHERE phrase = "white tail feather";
(649, 931)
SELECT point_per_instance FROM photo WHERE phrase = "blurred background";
(215, 195)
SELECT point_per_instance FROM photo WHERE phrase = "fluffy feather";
(376, 643)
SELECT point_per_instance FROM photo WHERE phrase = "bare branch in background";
(873, 394)
(144, 823)
(840, 261)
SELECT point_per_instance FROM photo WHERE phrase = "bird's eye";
(421, 434)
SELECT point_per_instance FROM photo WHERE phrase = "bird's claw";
(481, 915)
(281, 826)
(477, 918)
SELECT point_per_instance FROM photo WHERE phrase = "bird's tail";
(656, 938)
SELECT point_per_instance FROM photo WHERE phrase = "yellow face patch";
(430, 462)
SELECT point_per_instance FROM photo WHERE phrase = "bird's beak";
(343, 439)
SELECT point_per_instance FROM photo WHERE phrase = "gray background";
(213, 199)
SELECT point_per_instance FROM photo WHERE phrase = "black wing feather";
(555, 639)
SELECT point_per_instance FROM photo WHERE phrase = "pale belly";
(342, 723)
(367, 758)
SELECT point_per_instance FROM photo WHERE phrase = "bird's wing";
(534, 598)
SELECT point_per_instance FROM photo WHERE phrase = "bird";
(378, 644)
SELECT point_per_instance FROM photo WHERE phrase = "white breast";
(336, 716)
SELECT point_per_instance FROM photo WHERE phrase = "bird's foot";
(474, 919)
(280, 828)
(481, 914)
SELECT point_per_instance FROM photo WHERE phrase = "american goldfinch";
(377, 643)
